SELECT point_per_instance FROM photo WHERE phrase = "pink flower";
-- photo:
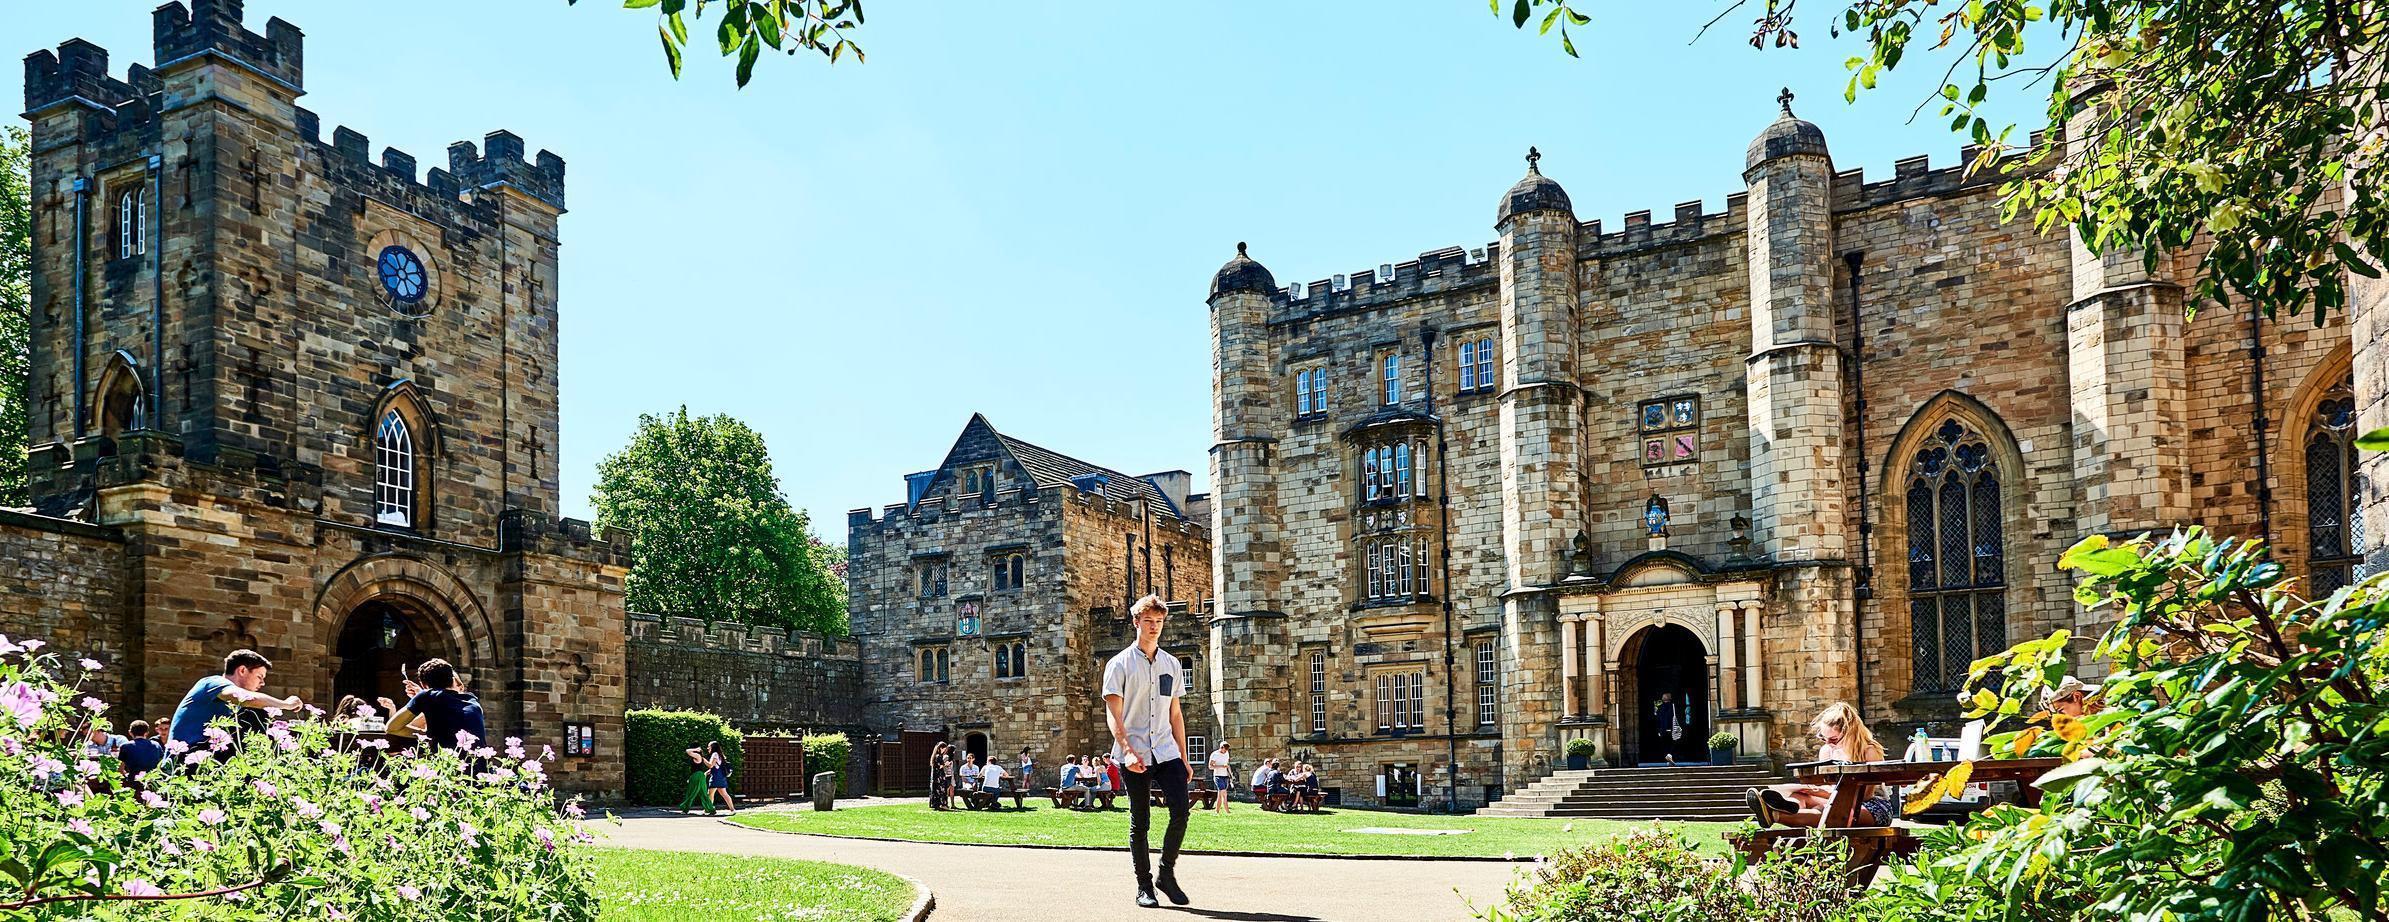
(204, 846)
(340, 844)
(547, 753)
(87, 767)
(81, 827)
(264, 787)
(70, 798)
(374, 744)
(152, 800)
(273, 712)
(89, 664)
(7, 648)
(212, 816)
(168, 846)
(465, 739)
(32, 645)
(94, 705)
(330, 828)
(43, 767)
(364, 710)
(420, 814)
(177, 747)
(313, 711)
(481, 752)
(546, 838)
(574, 810)
(409, 892)
(20, 701)
(11, 746)
(134, 886)
(373, 802)
(194, 757)
(218, 740)
(306, 810)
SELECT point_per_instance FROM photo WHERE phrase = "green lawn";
(1247, 829)
(635, 885)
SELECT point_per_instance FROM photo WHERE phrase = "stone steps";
(1689, 793)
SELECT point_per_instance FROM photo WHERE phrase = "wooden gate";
(901, 765)
(775, 767)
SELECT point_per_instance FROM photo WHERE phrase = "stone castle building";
(987, 603)
(1825, 444)
(287, 397)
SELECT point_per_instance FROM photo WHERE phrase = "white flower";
(89, 664)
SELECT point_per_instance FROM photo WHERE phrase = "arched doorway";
(1669, 672)
(976, 744)
(378, 643)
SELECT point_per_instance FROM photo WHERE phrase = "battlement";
(1454, 268)
(78, 71)
(500, 162)
(214, 27)
(684, 631)
(523, 531)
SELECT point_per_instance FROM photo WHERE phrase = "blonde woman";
(1841, 737)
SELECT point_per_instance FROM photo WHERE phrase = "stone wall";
(762, 679)
(64, 582)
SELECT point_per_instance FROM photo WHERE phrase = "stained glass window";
(2334, 486)
(1957, 559)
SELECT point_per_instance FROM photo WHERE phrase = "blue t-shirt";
(202, 706)
(141, 755)
(444, 712)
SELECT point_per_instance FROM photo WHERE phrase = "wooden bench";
(983, 799)
(1066, 798)
(1870, 846)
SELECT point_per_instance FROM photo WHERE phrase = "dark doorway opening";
(1671, 696)
(976, 744)
(1401, 784)
(378, 640)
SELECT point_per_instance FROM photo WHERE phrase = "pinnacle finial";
(1784, 99)
(1533, 156)
(1240, 248)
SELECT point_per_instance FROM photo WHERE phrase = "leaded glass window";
(394, 480)
(1318, 691)
(1957, 559)
(2334, 485)
(1485, 685)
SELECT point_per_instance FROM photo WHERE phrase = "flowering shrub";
(1655, 875)
(298, 821)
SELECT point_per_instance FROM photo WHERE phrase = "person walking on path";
(717, 779)
(695, 796)
(215, 696)
(1223, 779)
(1142, 686)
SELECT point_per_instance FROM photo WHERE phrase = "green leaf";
(2354, 262)
(671, 51)
(2069, 774)
(2376, 440)
(1519, 13)
(639, 4)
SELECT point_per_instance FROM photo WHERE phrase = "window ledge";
(1380, 619)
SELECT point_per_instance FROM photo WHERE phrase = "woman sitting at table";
(1842, 737)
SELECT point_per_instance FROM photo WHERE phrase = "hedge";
(828, 752)
(655, 748)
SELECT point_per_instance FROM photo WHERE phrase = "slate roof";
(1053, 469)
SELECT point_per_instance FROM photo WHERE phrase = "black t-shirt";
(141, 755)
(444, 712)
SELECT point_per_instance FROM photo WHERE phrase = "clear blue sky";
(1012, 208)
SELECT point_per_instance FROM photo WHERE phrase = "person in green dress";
(696, 796)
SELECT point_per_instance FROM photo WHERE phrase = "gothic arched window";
(1957, 561)
(394, 472)
(132, 238)
(2334, 529)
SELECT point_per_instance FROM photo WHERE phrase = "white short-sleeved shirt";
(992, 776)
(1219, 761)
(1147, 686)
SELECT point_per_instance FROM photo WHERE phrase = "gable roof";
(1051, 469)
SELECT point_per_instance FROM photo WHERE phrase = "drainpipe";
(2256, 398)
(82, 244)
(157, 293)
(1443, 535)
(1863, 589)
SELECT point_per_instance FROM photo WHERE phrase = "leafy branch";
(749, 26)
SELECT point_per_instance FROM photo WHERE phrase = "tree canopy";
(16, 304)
(711, 535)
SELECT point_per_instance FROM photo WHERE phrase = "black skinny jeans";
(1170, 776)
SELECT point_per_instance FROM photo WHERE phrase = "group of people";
(1090, 780)
(1273, 787)
(1843, 737)
(708, 780)
(974, 780)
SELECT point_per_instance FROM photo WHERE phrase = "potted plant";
(1722, 746)
(1580, 754)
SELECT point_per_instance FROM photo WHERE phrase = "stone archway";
(1663, 687)
(387, 610)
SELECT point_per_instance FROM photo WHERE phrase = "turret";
(1247, 550)
(1794, 377)
(1542, 409)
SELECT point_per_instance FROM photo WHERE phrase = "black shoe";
(1168, 884)
(1144, 898)
(1778, 801)
(1759, 809)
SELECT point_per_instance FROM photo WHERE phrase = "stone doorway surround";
(1599, 616)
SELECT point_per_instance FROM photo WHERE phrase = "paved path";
(993, 884)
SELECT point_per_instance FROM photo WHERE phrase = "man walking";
(1141, 688)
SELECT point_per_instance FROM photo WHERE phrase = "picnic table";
(1851, 781)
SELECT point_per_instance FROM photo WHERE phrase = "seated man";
(991, 779)
(1068, 792)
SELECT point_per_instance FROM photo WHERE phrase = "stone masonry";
(762, 679)
(953, 642)
(1825, 444)
(219, 366)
